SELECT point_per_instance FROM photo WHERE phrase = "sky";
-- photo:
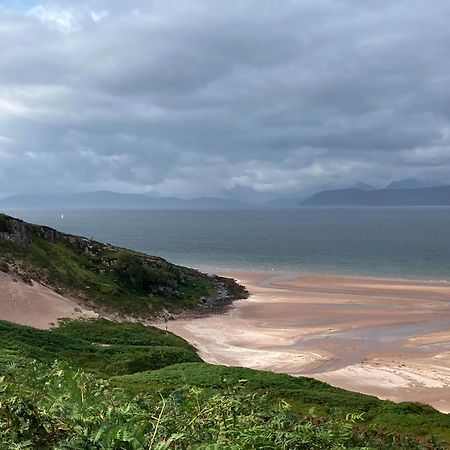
(193, 98)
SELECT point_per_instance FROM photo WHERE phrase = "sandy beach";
(389, 338)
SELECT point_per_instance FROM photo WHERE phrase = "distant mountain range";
(408, 192)
(390, 196)
(113, 200)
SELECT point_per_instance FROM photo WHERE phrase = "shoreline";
(385, 337)
(235, 272)
(225, 292)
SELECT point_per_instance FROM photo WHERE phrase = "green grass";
(100, 346)
(76, 271)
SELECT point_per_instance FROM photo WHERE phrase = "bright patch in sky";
(56, 17)
(19, 5)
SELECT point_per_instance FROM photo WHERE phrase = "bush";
(133, 273)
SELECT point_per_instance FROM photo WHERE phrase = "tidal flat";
(386, 337)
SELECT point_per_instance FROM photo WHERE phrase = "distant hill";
(411, 183)
(112, 200)
(364, 186)
(431, 196)
(295, 199)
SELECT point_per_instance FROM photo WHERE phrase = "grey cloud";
(190, 98)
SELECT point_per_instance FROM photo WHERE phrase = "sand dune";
(35, 305)
(390, 338)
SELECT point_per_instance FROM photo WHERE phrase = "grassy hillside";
(100, 346)
(125, 386)
(105, 277)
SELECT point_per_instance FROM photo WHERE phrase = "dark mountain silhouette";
(431, 196)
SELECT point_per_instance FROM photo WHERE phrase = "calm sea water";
(394, 242)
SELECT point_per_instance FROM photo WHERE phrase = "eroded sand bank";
(35, 305)
(390, 338)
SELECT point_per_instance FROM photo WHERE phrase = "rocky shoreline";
(226, 291)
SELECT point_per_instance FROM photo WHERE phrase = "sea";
(406, 242)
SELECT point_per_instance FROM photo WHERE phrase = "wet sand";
(389, 338)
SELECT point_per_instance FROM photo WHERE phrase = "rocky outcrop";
(23, 233)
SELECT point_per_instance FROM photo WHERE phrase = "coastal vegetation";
(108, 385)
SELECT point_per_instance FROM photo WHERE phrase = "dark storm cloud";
(191, 97)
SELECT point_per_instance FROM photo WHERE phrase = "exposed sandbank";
(389, 338)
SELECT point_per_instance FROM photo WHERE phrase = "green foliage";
(104, 331)
(63, 408)
(121, 280)
(101, 346)
(181, 406)
(303, 394)
(137, 275)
